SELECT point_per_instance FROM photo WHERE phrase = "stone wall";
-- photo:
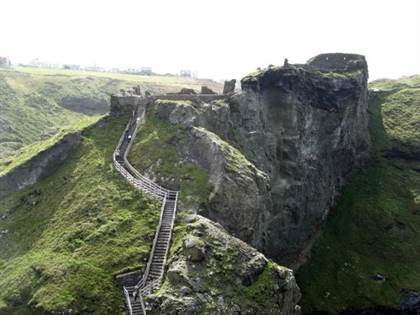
(338, 62)
(124, 104)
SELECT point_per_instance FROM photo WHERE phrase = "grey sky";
(218, 39)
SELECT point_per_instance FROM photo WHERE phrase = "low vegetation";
(368, 254)
(63, 239)
(225, 261)
(155, 150)
(37, 104)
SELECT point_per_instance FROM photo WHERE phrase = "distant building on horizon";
(146, 70)
(71, 67)
(5, 62)
(37, 63)
(185, 73)
(94, 68)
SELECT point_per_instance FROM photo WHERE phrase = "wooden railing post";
(145, 286)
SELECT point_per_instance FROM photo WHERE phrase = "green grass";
(72, 232)
(401, 119)
(37, 103)
(404, 82)
(155, 83)
(155, 148)
(375, 228)
(33, 149)
(257, 292)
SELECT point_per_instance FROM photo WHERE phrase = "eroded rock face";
(230, 277)
(306, 129)
(278, 153)
(41, 166)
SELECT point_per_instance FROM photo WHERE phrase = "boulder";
(195, 249)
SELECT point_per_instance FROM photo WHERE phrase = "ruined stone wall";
(338, 62)
(124, 104)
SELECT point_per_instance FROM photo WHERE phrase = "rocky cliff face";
(211, 272)
(39, 167)
(278, 153)
(306, 127)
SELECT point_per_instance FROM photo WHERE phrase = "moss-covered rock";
(229, 278)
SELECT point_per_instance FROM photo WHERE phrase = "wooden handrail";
(145, 286)
(152, 253)
(127, 297)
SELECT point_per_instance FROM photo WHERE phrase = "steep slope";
(63, 239)
(368, 255)
(269, 162)
(37, 104)
(211, 272)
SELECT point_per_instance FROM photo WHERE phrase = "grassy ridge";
(37, 103)
(375, 228)
(66, 236)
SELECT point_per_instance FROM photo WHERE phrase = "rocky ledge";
(277, 154)
(42, 165)
(211, 272)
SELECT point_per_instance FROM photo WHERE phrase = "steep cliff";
(41, 166)
(367, 256)
(275, 156)
(64, 238)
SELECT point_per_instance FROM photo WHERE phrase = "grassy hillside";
(37, 104)
(154, 151)
(63, 239)
(375, 228)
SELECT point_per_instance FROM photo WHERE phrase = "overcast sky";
(218, 38)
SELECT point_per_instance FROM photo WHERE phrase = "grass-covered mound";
(63, 239)
(375, 229)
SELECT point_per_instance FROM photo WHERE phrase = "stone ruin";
(187, 91)
(129, 100)
(229, 86)
(206, 90)
(338, 62)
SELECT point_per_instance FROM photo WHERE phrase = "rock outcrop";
(306, 127)
(206, 90)
(211, 272)
(229, 86)
(278, 153)
(41, 166)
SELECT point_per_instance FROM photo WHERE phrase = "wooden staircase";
(155, 268)
(135, 305)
